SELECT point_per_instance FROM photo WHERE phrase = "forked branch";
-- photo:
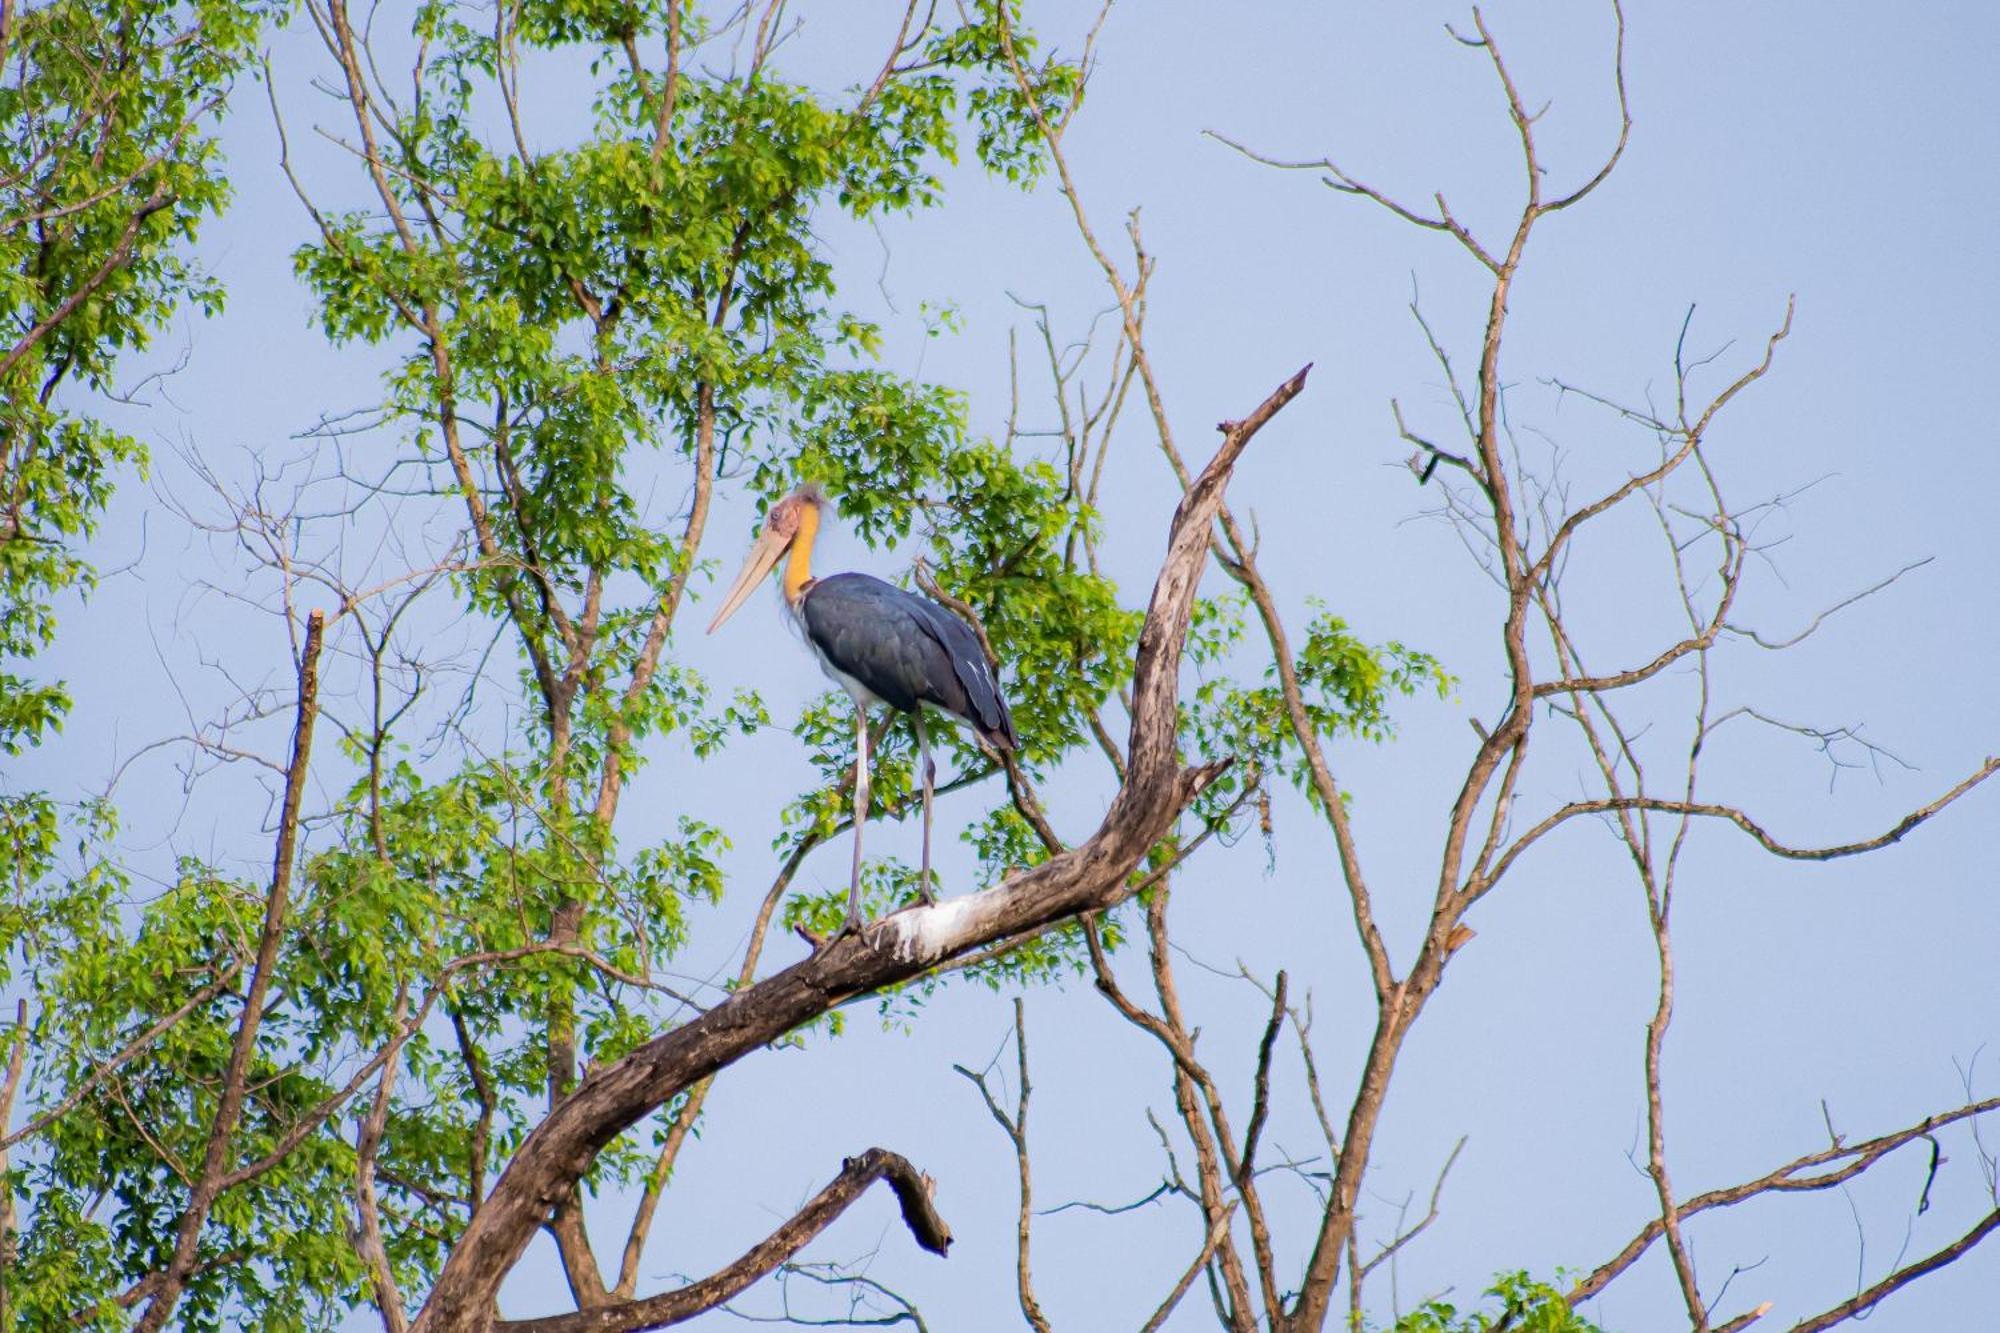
(1015, 1126)
(1826, 1169)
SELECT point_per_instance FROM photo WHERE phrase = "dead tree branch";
(913, 1192)
(229, 1109)
(1015, 1127)
(1865, 1301)
(1803, 1174)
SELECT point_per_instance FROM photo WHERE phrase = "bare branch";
(1260, 1107)
(368, 1214)
(1691, 435)
(1624, 122)
(1015, 1127)
(1216, 1231)
(1404, 1237)
(17, 1052)
(1339, 180)
(215, 1158)
(1743, 821)
(1802, 1174)
(1865, 1301)
(1829, 613)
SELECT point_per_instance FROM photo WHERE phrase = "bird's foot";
(853, 925)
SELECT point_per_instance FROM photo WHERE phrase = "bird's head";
(794, 518)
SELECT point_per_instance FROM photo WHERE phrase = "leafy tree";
(108, 167)
(1525, 1305)
(573, 324)
(449, 1015)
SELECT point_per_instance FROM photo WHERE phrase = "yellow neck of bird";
(798, 566)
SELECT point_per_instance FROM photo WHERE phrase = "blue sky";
(1842, 152)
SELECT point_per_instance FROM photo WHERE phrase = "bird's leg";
(854, 920)
(930, 777)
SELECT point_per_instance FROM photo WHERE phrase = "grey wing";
(905, 650)
(984, 707)
(868, 630)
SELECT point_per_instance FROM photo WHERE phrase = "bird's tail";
(1001, 737)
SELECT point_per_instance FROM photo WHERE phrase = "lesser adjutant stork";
(883, 645)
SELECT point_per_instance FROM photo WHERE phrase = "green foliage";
(570, 325)
(1345, 688)
(1006, 117)
(1525, 1306)
(107, 168)
(104, 1197)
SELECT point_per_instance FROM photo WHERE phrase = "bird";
(882, 645)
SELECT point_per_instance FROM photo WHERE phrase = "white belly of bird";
(863, 696)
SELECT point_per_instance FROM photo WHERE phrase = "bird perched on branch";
(882, 645)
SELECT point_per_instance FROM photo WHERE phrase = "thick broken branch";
(913, 1192)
